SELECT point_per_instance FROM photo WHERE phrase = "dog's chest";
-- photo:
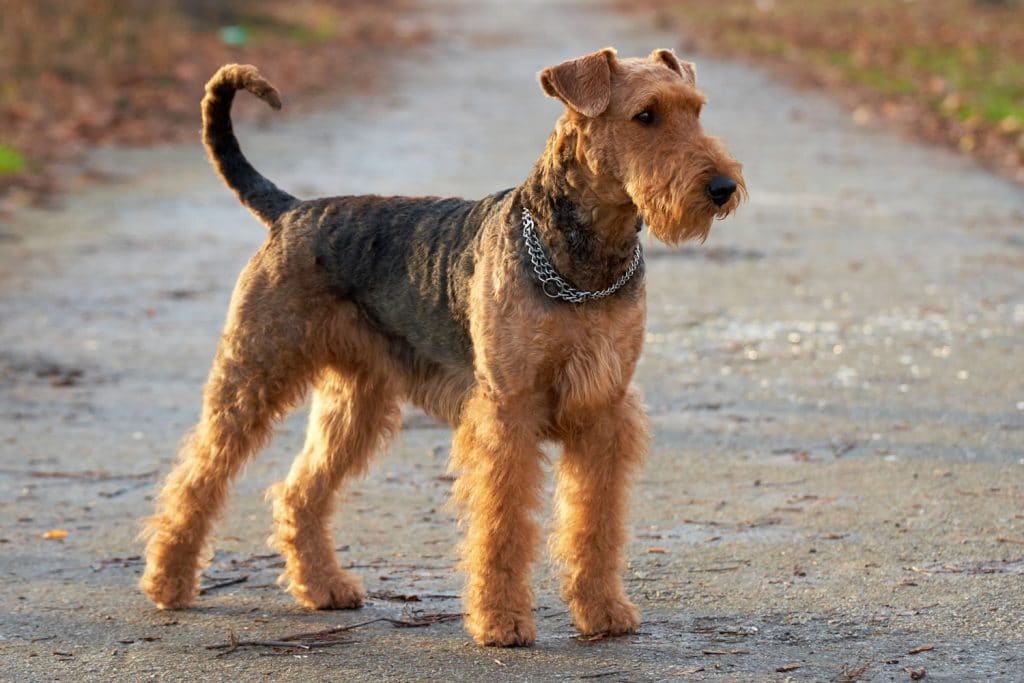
(597, 354)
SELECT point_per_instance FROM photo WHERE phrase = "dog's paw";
(502, 629)
(168, 592)
(339, 591)
(615, 617)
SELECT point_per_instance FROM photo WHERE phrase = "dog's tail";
(257, 193)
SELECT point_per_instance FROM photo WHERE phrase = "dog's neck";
(588, 231)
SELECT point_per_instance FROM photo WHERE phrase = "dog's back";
(407, 263)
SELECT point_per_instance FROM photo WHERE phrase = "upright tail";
(257, 193)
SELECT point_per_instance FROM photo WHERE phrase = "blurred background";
(835, 486)
(75, 73)
(78, 73)
(946, 71)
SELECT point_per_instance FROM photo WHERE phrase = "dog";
(518, 318)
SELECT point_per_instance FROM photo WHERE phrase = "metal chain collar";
(553, 284)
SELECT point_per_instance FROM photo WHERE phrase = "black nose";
(721, 188)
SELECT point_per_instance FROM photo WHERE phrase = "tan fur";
(540, 370)
(632, 166)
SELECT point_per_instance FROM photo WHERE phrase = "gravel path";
(836, 385)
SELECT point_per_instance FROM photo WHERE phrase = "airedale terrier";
(518, 318)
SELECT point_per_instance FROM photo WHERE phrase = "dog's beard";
(676, 207)
(677, 212)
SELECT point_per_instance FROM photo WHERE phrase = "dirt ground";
(835, 380)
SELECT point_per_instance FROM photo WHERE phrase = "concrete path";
(836, 385)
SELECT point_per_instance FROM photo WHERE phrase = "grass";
(953, 69)
(11, 161)
(80, 73)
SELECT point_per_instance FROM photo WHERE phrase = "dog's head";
(636, 123)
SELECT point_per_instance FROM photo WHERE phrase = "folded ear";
(688, 70)
(584, 84)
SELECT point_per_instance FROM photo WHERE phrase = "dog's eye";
(645, 117)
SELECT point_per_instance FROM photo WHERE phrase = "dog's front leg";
(593, 482)
(498, 459)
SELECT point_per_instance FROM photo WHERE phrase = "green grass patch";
(996, 105)
(884, 81)
(311, 28)
(11, 160)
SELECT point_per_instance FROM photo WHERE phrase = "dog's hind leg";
(353, 415)
(262, 368)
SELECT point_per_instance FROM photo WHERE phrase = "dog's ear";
(688, 70)
(583, 84)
